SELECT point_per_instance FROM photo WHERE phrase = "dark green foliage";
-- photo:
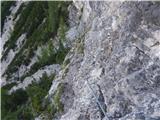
(30, 18)
(18, 27)
(27, 52)
(17, 98)
(56, 10)
(57, 98)
(49, 56)
(62, 29)
(38, 36)
(5, 6)
(37, 92)
(11, 103)
(53, 18)
(41, 21)
(9, 86)
(25, 112)
(51, 109)
(22, 7)
(15, 106)
(66, 62)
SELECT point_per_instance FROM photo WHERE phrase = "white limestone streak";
(55, 68)
(6, 33)
(96, 73)
(23, 69)
(9, 24)
(12, 53)
(10, 56)
(154, 44)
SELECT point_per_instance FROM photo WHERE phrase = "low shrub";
(38, 90)
(10, 103)
(57, 98)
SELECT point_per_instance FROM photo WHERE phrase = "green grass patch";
(11, 103)
(37, 91)
(27, 104)
(30, 18)
(27, 51)
(40, 36)
(57, 98)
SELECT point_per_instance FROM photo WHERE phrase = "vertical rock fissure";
(99, 101)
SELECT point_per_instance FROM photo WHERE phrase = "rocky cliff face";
(112, 70)
(117, 47)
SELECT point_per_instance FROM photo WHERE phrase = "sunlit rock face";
(112, 56)
(116, 46)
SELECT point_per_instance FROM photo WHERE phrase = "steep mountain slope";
(33, 48)
(80, 60)
(116, 56)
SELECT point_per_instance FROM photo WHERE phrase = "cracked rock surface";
(116, 47)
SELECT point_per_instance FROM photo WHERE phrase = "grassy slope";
(29, 103)
(5, 6)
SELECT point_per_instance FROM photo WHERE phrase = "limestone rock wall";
(116, 46)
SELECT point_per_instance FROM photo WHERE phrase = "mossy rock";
(57, 98)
